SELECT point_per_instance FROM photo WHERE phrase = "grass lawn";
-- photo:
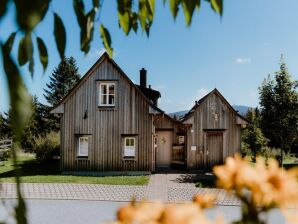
(34, 172)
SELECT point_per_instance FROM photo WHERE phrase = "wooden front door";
(214, 150)
(164, 148)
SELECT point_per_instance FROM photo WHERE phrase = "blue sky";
(233, 53)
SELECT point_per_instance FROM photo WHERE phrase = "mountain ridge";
(242, 110)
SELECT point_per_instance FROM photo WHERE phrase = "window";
(83, 146)
(129, 147)
(107, 94)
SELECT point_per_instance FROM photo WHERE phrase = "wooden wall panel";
(105, 126)
(212, 115)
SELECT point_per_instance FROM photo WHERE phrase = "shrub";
(4, 154)
(48, 147)
(268, 152)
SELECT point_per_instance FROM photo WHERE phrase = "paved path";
(164, 187)
(181, 188)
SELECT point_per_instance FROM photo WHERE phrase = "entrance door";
(164, 148)
(214, 153)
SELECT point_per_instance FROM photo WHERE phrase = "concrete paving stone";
(165, 187)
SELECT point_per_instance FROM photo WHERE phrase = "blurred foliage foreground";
(260, 187)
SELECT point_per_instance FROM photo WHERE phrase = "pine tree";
(31, 128)
(252, 135)
(1, 126)
(279, 109)
(63, 78)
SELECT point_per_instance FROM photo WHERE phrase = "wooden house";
(108, 123)
(214, 131)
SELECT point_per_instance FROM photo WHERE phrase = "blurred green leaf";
(106, 39)
(29, 14)
(43, 53)
(3, 7)
(96, 3)
(10, 41)
(60, 35)
(135, 22)
(25, 51)
(217, 6)
(188, 9)
(79, 9)
(146, 13)
(174, 7)
(19, 96)
(152, 6)
(87, 31)
(124, 15)
(20, 101)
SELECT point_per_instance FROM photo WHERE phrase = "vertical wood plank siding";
(212, 115)
(105, 126)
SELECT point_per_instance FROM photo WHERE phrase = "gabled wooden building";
(108, 123)
(214, 131)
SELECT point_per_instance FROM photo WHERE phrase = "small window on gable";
(129, 147)
(107, 94)
(83, 146)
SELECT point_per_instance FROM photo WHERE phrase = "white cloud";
(201, 93)
(96, 53)
(160, 87)
(241, 60)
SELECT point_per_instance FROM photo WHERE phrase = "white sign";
(193, 148)
(129, 152)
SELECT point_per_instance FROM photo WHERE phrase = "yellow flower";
(140, 212)
(204, 201)
(268, 185)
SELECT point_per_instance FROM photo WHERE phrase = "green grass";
(34, 172)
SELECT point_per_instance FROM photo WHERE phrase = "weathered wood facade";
(132, 115)
(214, 131)
(130, 133)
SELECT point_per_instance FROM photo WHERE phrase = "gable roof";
(199, 103)
(102, 58)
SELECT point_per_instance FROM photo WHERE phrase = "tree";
(252, 135)
(2, 123)
(279, 109)
(63, 78)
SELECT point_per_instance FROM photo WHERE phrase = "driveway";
(94, 212)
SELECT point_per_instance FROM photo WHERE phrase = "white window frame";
(107, 84)
(79, 148)
(126, 148)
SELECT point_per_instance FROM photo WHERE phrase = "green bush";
(4, 154)
(48, 147)
(268, 152)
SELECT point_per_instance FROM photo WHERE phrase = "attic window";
(107, 94)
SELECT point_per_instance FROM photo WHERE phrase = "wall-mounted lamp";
(85, 114)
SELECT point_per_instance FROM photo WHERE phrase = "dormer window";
(107, 94)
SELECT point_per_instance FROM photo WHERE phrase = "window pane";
(132, 142)
(83, 146)
(112, 89)
(127, 142)
(111, 99)
(103, 89)
(103, 99)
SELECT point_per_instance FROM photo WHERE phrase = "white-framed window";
(83, 146)
(129, 147)
(107, 94)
